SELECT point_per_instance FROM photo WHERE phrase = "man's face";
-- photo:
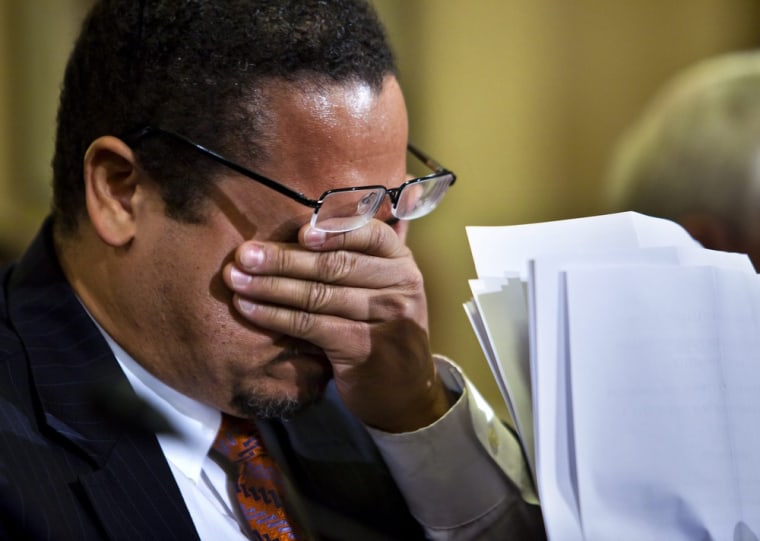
(185, 329)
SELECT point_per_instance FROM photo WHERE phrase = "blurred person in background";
(224, 277)
(693, 155)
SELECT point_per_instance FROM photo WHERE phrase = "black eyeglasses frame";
(393, 193)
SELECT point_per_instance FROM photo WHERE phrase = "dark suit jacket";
(77, 465)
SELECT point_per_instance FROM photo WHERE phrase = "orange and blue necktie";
(259, 483)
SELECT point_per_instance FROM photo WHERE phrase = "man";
(191, 261)
(693, 156)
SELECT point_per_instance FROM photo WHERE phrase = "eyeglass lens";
(346, 210)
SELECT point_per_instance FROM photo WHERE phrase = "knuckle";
(408, 297)
(412, 282)
(335, 266)
(318, 297)
(264, 284)
(282, 260)
(398, 306)
(302, 323)
(415, 281)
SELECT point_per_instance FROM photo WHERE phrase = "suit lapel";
(133, 498)
(131, 487)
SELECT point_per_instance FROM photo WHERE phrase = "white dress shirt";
(415, 460)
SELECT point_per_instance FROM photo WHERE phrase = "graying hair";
(696, 147)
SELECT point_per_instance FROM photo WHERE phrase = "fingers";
(289, 260)
(308, 296)
(357, 258)
(343, 340)
(345, 283)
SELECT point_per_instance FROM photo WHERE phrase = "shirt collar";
(195, 424)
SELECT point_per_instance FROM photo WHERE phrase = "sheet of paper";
(504, 315)
(664, 394)
(476, 321)
(555, 434)
(554, 431)
(499, 248)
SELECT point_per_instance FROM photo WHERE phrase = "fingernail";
(239, 279)
(252, 256)
(314, 238)
(245, 306)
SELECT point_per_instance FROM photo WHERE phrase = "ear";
(112, 189)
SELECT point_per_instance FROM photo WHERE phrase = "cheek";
(187, 265)
(197, 329)
(191, 293)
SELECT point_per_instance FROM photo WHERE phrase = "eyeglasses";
(345, 209)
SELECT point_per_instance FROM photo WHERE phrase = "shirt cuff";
(467, 452)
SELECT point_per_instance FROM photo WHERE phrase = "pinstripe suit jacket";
(72, 470)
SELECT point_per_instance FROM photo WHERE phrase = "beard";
(260, 401)
(252, 405)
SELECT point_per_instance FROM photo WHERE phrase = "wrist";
(421, 412)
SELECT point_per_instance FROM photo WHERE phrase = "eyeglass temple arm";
(424, 158)
(148, 130)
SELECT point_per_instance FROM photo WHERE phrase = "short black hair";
(196, 67)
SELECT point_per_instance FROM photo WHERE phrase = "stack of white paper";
(629, 358)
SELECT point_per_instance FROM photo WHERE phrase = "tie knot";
(238, 439)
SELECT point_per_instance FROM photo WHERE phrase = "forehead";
(316, 138)
(321, 123)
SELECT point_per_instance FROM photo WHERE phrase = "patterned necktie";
(259, 482)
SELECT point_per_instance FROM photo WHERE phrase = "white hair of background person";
(693, 155)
